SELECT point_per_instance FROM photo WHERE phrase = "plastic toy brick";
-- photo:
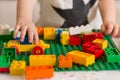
(17, 67)
(98, 52)
(4, 70)
(23, 42)
(49, 33)
(11, 52)
(89, 37)
(65, 61)
(4, 61)
(88, 45)
(64, 37)
(93, 48)
(29, 47)
(39, 30)
(40, 60)
(57, 38)
(36, 72)
(82, 58)
(4, 30)
(112, 55)
(99, 35)
(74, 40)
(78, 29)
(101, 42)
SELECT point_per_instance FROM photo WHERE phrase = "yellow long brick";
(82, 58)
(42, 60)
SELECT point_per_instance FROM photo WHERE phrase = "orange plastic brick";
(39, 30)
(35, 72)
(65, 61)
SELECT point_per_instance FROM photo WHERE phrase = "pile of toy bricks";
(41, 65)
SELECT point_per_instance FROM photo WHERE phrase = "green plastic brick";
(11, 52)
(112, 55)
(4, 61)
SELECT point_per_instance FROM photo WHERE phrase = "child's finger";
(16, 29)
(36, 37)
(109, 28)
(30, 35)
(23, 33)
(115, 31)
(103, 28)
(118, 32)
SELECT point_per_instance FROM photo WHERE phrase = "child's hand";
(111, 29)
(28, 27)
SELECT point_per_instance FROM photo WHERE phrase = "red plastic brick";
(4, 69)
(74, 40)
(89, 37)
(98, 52)
(88, 45)
(99, 35)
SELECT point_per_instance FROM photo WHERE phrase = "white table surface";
(78, 75)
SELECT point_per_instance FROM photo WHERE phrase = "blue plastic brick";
(57, 38)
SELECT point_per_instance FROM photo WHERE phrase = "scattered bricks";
(74, 40)
(65, 61)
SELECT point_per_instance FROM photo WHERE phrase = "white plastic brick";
(78, 29)
(4, 29)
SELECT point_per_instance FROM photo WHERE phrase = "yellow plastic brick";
(64, 37)
(101, 42)
(49, 33)
(17, 67)
(42, 60)
(82, 58)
